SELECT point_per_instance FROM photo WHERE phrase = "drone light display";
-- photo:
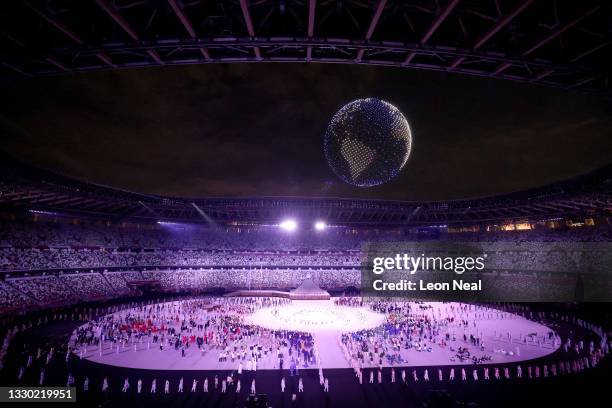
(367, 142)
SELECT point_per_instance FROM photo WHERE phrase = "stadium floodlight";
(288, 225)
(320, 225)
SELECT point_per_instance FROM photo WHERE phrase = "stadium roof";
(561, 44)
(25, 187)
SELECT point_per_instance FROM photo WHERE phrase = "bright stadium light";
(288, 225)
(320, 225)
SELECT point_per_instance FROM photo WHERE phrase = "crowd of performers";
(205, 325)
(199, 326)
(416, 326)
(202, 326)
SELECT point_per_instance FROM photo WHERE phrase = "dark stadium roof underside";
(561, 44)
(24, 187)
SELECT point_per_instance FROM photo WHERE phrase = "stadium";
(243, 268)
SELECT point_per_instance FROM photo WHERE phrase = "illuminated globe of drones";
(367, 142)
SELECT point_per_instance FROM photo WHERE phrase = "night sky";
(257, 130)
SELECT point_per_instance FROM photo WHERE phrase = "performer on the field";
(154, 386)
(167, 387)
(139, 386)
(300, 385)
(126, 385)
(180, 386)
(194, 385)
(253, 390)
(326, 387)
(283, 385)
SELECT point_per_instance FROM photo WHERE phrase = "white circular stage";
(316, 316)
(504, 337)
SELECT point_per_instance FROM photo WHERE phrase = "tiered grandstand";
(64, 241)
